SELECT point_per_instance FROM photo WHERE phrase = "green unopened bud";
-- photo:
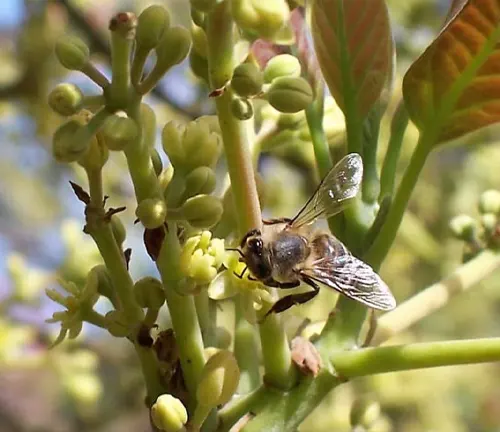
(289, 94)
(172, 143)
(116, 324)
(242, 108)
(202, 147)
(149, 293)
(151, 212)
(104, 284)
(119, 131)
(151, 26)
(265, 18)
(489, 222)
(199, 38)
(489, 202)
(157, 162)
(364, 412)
(203, 5)
(283, 65)
(68, 143)
(463, 227)
(66, 99)
(202, 211)
(97, 154)
(166, 177)
(169, 414)
(119, 231)
(219, 379)
(200, 181)
(247, 80)
(72, 52)
(199, 65)
(172, 48)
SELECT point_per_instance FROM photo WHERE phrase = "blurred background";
(94, 383)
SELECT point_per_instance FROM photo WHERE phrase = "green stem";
(95, 75)
(369, 361)
(140, 57)
(95, 318)
(121, 51)
(279, 369)
(151, 317)
(399, 124)
(246, 351)
(235, 138)
(371, 129)
(182, 313)
(387, 234)
(436, 296)
(150, 368)
(206, 317)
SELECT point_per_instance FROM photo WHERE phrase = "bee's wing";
(353, 278)
(334, 192)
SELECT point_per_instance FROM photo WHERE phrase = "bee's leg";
(293, 299)
(276, 221)
(240, 275)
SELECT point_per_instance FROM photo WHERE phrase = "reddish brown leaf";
(83, 196)
(305, 356)
(454, 86)
(354, 48)
(153, 240)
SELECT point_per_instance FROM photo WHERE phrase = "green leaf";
(354, 49)
(453, 88)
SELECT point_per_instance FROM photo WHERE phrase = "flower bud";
(151, 25)
(97, 154)
(202, 211)
(489, 222)
(364, 412)
(104, 283)
(283, 65)
(199, 38)
(169, 414)
(199, 66)
(157, 162)
(149, 293)
(66, 99)
(202, 147)
(463, 227)
(116, 323)
(171, 137)
(247, 80)
(165, 177)
(119, 131)
(219, 379)
(266, 18)
(119, 231)
(72, 52)
(197, 17)
(200, 181)
(172, 48)
(289, 94)
(489, 202)
(204, 6)
(151, 212)
(65, 145)
(242, 108)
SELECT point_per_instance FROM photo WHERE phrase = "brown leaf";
(83, 196)
(354, 48)
(453, 88)
(153, 240)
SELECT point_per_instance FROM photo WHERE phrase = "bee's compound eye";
(254, 244)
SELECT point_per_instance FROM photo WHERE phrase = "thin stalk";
(122, 41)
(246, 351)
(436, 296)
(399, 124)
(206, 317)
(95, 75)
(220, 39)
(369, 361)
(387, 234)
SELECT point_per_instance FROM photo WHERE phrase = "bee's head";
(256, 256)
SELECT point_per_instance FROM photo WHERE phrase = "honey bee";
(287, 252)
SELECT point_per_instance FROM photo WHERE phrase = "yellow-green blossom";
(201, 257)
